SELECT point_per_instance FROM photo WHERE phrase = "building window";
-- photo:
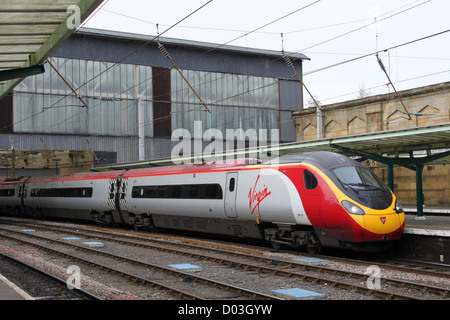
(6, 114)
(236, 101)
(162, 119)
(111, 92)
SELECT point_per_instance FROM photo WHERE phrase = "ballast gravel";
(113, 287)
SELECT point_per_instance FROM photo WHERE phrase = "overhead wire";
(377, 52)
(269, 23)
(124, 58)
(256, 30)
(152, 121)
(143, 45)
(234, 30)
(383, 85)
(359, 57)
(363, 27)
(174, 25)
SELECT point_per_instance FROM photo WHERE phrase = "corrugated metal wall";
(45, 108)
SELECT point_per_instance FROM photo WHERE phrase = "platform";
(429, 225)
(430, 210)
(426, 239)
(9, 291)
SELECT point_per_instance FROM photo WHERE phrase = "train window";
(232, 182)
(7, 193)
(310, 180)
(192, 191)
(189, 191)
(213, 191)
(163, 192)
(62, 192)
(176, 191)
(358, 177)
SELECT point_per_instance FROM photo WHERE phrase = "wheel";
(37, 214)
(275, 246)
(313, 244)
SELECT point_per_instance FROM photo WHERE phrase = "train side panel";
(70, 196)
(140, 198)
(10, 196)
(309, 200)
(268, 195)
(194, 201)
(247, 195)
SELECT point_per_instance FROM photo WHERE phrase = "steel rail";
(443, 292)
(241, 291)
(92, 263)
(82, 292)
(285, 273)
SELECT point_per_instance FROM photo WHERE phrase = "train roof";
(321, 159)
(77, 176)
(12, 181)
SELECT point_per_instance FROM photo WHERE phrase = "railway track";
(225, 291)
(40, 284)
(255, 264)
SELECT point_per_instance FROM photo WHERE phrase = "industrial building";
(103, 90)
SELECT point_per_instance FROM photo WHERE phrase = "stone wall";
(426, 105)
(63, 162)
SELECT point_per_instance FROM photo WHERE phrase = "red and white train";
(309, 200)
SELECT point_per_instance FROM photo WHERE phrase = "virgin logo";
(255, 197)
(383, 220)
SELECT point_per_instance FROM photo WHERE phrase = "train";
(310, 200)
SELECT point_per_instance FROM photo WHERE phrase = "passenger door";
(310, 195)
(230, 195)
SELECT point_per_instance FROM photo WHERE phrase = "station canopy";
(406, 147)
(426, 145)
(31, 30)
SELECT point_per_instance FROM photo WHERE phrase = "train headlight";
(398, 206)
(352, 208)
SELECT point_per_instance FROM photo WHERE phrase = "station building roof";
(203, 46)
(141, 49)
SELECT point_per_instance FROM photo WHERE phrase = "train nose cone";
(379, 226)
